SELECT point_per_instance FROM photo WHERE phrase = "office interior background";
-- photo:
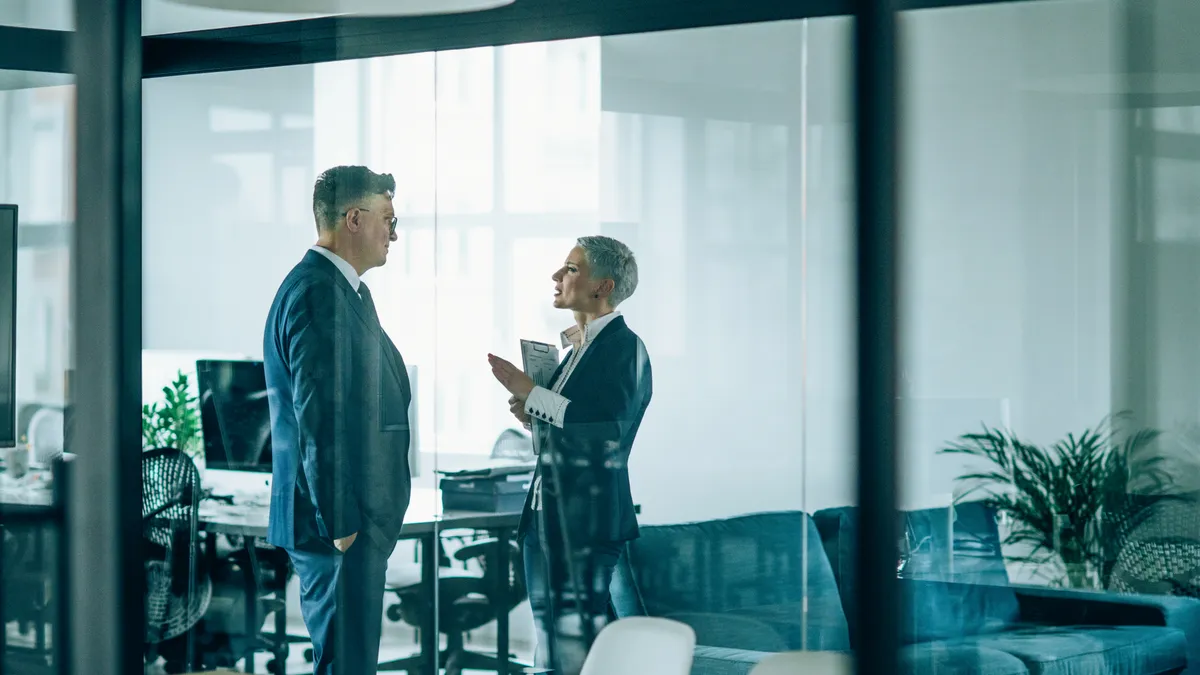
(1047, 258)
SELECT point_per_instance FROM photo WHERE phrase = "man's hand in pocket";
(344, 543)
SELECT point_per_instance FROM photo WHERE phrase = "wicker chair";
(177, 590)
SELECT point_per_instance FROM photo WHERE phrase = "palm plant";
(1069, 500)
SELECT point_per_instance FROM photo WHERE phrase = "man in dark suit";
(580, 511)
(339, 394)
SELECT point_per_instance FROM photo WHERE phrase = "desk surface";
(33, 490)
(248, 516)
(424, 515)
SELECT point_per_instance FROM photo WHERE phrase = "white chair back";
(642, 644)
(45, 435)
(805, 663)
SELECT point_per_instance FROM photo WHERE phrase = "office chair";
(642, 644)
(513, 444)
(45, 434)
(237, 575)
(25, 582)
(178, 591)
(466, 602)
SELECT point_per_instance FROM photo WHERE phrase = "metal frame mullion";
(104, 505)
(877, 244)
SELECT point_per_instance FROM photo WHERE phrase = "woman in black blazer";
(579, 511)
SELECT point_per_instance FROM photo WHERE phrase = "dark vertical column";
(105, 591)
(1135, 312)
(876, 105)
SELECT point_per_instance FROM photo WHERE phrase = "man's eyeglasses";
(391, 223)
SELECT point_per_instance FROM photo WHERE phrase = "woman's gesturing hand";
(511, 377)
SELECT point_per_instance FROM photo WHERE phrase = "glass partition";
(726, 163)
(36, 227)
(727, 176)
(1044, 391)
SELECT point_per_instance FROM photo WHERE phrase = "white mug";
(16, 461)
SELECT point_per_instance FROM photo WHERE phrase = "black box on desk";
(490, 495)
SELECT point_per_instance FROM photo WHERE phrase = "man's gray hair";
(342, 188)
(610, 259)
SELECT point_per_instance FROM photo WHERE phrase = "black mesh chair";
(466, 602)
(178, 591)
(469, 595)
(233, 628)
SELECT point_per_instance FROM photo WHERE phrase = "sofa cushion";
(957, 659)
(723, 661)
(1066, 607)
(1123, 650)
(943, 610)
(761, 567)
(960, 545)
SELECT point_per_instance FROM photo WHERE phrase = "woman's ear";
(605, 288)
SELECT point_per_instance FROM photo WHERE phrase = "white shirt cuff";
(546, 406)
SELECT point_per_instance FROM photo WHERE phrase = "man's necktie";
(365, 294)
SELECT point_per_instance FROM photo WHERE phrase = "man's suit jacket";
(339, 395)
(609, 390)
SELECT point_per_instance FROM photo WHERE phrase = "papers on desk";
(493, 469)
(540, 360)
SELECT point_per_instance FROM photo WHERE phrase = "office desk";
(423, 521)
(248, 520)
(26, 512)
(423, 517)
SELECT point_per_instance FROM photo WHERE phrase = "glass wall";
(1011, 201)
(36, 175)
(1045, 396)
(722, 166)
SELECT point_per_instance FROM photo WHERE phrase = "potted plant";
(1068, 503)
(173, 422)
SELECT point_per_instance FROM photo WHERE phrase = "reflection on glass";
(550, 106)
(695, 149)
(1047, 381)
(721, 169)
(36, 175)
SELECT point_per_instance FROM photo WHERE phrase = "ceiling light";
(360, 7)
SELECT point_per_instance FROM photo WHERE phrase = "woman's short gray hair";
(610, 259)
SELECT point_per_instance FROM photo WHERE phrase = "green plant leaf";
(1068, 501)
(175, 421)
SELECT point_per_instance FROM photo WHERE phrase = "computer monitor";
(235, 417)
(8, 325)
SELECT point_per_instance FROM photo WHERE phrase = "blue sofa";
(742, 584)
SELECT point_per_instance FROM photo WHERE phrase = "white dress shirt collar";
(344, 267)
(571, 336)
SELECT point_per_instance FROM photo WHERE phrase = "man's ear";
(353, 220)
